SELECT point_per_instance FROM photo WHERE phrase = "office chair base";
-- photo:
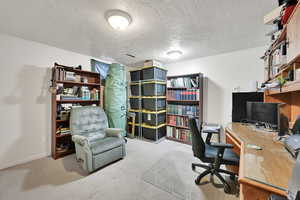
(214, 172)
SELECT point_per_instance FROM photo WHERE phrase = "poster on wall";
(100, 67)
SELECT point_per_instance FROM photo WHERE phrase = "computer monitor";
(264, 112)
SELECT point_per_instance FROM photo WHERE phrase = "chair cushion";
(95, 135)
(229, 156)
(105, 144)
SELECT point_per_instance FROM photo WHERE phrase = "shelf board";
(61, 121)
(180, 115)
(62, 136)
(181, 88)
(78, 101)
(71, 69)
(178, 140)
(185, 75)
(293, 86)
(181, 127)
(78, 83)
(185, 101)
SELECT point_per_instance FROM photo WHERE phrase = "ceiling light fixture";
(118, 19)
(174, 54)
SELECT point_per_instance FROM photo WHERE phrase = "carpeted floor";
(149, 171)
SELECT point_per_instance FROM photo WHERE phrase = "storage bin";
(154, 103)
(134, 102)
(154, 88)
(135, 89)
(154, 73)
(154, 132)
(135, 75)
(154, 118)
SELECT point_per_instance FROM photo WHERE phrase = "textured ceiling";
(197, 27)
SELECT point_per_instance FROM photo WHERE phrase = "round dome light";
(118, 19)
(174, 54)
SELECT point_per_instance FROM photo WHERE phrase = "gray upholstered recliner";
(96, 145)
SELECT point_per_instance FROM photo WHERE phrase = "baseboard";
(25, 160)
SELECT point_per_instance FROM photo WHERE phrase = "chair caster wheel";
(227, 189)
(232, 177)
(193, 167)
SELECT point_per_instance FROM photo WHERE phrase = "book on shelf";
(184, 82)
(190, 94)
(183, 110)
(65, 75)
(180, 134)
(178, 121)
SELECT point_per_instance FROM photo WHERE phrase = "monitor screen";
(263, 112)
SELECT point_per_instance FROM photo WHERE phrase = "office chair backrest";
(198, 144)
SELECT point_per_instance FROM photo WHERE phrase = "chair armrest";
(221, 145)
(81, 140)
(209, 136)
(113, 132)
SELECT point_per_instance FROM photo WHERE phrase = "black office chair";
(216, 154)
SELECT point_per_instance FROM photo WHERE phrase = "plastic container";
(154, 118)
(134, 103)
(136, 75)
(154, 103)
(154, 132)
(154, 73)
(135, 89)
(154, 88)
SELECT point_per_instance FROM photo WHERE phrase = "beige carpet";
(149, 171)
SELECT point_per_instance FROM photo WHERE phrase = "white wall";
(224, 73)
(25, 124)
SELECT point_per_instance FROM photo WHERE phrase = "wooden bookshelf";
(92, 81)
(185, 102)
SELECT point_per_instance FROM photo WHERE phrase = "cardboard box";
(273, 15)
(152, 63)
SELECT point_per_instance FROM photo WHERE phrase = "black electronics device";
(296, 127)
(239, 104)
(268, 114)
(263, 112)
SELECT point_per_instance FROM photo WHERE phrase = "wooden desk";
(261, 172)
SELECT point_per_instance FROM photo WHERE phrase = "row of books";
(180, 134)
(184, 82)
(64, 75)
(190, 94)
(178, 121)
(183, 110)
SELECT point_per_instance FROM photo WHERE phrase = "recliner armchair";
(96, 145)
(215, 154)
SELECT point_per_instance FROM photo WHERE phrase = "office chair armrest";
(221, 145)
(209, 136)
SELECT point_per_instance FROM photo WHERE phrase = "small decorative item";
(282, 81)
(84, 80)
